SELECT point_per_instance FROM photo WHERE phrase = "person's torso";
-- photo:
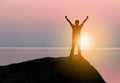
(76, 31)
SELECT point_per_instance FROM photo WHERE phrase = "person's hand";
(87, 17)
(66, 17)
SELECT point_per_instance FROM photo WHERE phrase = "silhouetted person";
(76, 33)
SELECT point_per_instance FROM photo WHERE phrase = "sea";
(105, 60)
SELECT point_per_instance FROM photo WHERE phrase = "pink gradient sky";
(43, 21)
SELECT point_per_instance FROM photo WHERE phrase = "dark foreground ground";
(51, 70)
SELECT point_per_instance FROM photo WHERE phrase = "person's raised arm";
(68, 21)
(84, 20)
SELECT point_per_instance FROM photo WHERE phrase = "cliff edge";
(51, 70)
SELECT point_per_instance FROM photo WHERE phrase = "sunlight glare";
(85, 42)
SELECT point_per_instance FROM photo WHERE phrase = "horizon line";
(57, 48)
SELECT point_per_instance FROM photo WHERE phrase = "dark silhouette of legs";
(73, 48)
(79, 49)
(74, 43)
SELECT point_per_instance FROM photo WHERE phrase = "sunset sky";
(42, 23)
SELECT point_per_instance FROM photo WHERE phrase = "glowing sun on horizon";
(85, 42)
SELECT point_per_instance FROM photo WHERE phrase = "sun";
(85, 42)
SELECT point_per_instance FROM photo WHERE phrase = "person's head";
(76, 22)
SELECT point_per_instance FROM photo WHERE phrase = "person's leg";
(79, 48)
(73, 48)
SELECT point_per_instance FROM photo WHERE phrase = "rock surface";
(51, 70)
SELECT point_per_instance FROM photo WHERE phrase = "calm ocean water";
(106, 61)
